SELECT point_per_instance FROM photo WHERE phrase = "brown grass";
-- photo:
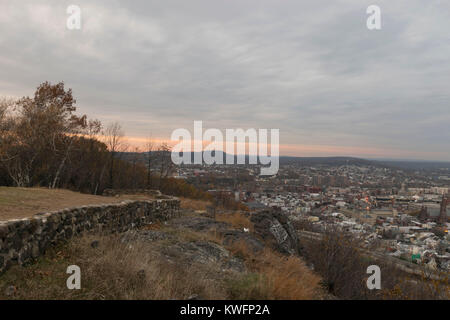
(276, 276)
(114, 270)
(139, 270)
(271, 275)
(18, 203)
(157, 225)
(191, 204)
(236, 219)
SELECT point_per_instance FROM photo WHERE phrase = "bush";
(342, 265)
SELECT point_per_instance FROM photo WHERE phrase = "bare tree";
(114, 140)
(93, 128)
(165, 162)
(136, 156)
(68, 139)
(6, 123)
(15, 156)
(5, 106)
(149, 146)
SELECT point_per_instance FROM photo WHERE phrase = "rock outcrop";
(186, 252)
(224, 230)
(271, 228)
(275, 229)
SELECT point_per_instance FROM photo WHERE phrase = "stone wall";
(117, 192)
(25, 239)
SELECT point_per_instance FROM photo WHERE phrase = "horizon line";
(321, 157)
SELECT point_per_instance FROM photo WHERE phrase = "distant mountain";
(324, 161)
(415, 164)
(332, 161)
(389, 163)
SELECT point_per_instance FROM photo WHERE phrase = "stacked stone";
(22, 240)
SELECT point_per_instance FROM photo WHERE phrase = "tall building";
(443, 213)
(423, 215)
(317, 180)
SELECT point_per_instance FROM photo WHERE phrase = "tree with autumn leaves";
(38, 135)
(43, 142)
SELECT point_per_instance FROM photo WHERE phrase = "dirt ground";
(18, 203)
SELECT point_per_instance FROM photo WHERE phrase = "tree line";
(43, 142)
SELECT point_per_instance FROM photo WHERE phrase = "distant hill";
(389, 163)
(415, 164)
(323, 161)
(331, 161)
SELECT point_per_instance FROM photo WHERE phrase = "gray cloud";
(310, 68)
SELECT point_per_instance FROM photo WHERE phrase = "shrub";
(342, 265)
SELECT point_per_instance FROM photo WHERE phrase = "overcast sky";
(310, 68)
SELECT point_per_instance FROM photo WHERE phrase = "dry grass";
(25, 202)
(275, 276)
(136, 271)
(191, 204)
(140, 270)
(271, 275)
(157, 225)
(114, 270)
(236, 219)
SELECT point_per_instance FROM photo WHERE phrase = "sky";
(311, 69)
